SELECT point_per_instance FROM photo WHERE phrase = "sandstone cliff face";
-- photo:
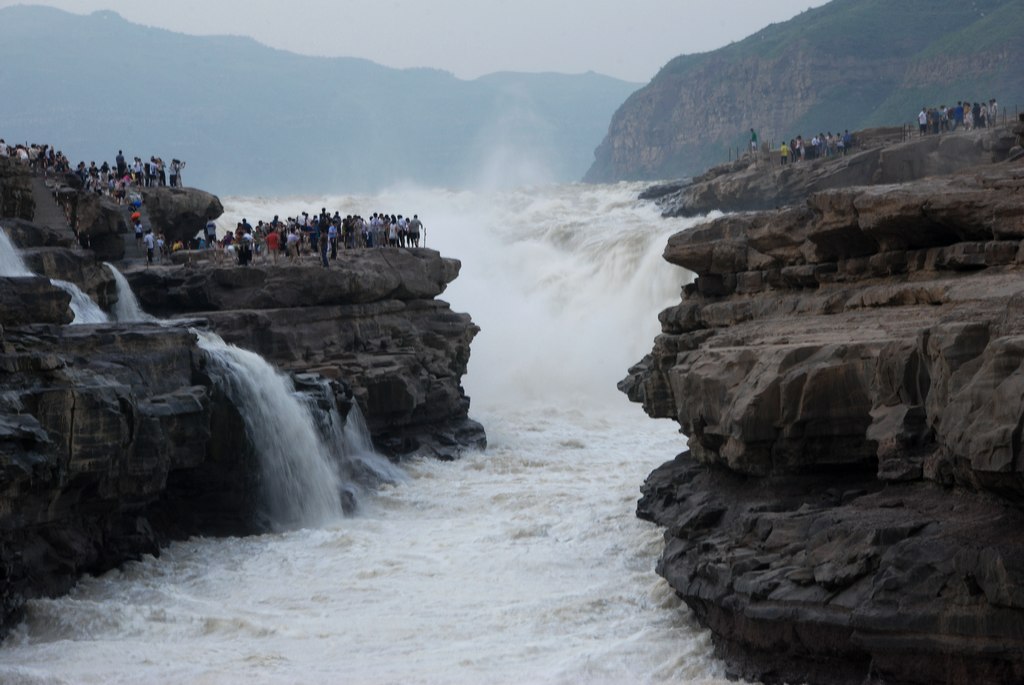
(847, 65)
(849, 373)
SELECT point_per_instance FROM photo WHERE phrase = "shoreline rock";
(849, 372)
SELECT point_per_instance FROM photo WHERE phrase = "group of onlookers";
(114, 179)
(118, 179)
(38, 157)
(821, 146)
(319, 235)
(966, 115)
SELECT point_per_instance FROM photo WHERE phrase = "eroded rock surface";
(746, 185)
(850, 373)
(370, 320)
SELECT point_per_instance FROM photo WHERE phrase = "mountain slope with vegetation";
(250, 119)
(849, 64)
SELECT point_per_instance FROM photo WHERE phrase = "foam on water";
(525, 563)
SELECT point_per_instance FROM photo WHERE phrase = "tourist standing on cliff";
(784, 153)
(415, 228)
(273, 243)
(324, 243)
(753, 142)
(211, 234)
(150, 245)
(121, 166)
(293, 244)
(176, 166)
(922, 121)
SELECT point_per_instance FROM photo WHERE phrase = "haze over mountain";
(848, 64)
(250, 119)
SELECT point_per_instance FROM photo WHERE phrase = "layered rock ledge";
(881, 157)
(371, 320)
(850, 373)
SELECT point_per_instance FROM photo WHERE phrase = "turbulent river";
(521, 564)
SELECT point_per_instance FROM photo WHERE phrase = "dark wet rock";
(33, 300)
(370, 320)
(180, 212)
(101, 222)
(848, 371)
(16, 199)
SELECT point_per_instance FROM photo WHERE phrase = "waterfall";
(127, 307)
(350, 440)
(84, 308)
(301, 480)
(11, 263)
(312, 461)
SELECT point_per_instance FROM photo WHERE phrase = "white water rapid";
(521, 564)
(82, 306)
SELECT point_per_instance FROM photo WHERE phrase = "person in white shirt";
(150, 245)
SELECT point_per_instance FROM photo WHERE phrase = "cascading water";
(127, 308)
(82, 306)
(349, 440)
(11, 263)
(305, 474)
(522, 564)
(86, 311)
(301, 483)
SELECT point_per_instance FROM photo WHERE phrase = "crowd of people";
(116, 179)
(42, 158)
(821, 146)
(318, 235)
(965, 115)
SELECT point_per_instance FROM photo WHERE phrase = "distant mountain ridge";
(251, 119)
(848, 64)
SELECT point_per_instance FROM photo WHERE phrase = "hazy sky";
(628, 40)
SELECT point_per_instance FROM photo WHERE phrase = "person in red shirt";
(273, 243)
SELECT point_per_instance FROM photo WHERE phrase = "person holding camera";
(176, 166)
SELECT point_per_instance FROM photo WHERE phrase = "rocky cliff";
(371, 320)
(849, 370)
(882, 157)
(114, 437)
(850, 64)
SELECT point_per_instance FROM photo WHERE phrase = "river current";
(520, 564)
